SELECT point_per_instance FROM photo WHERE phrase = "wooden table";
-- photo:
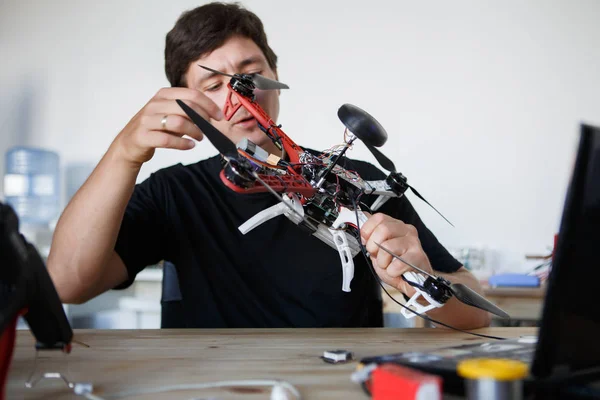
(119, 360)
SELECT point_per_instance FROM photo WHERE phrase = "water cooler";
(32, 189)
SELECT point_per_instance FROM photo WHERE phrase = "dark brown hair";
(204, 29)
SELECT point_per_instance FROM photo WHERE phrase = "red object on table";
(392, 381)
(7, 344)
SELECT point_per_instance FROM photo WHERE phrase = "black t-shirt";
(277, 275)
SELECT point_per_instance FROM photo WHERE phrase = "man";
(275, 276)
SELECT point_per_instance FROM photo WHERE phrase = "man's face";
(237, 55)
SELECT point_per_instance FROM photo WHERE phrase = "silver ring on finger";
(163, 122)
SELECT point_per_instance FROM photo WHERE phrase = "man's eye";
(214, 87)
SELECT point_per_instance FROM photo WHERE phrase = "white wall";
(481, 99)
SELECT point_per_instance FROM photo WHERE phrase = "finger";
(160, 139)
(379, 218)
(385, 277)
(173, 123)
(368, 227)
(170, 107)
(398, 246)
(413, 256)
(388, 229)
(194, 98)
(396, 267)
(397, 282)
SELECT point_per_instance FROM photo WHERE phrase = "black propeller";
(259, 81)
(368, 129)
(221, 142)
(472, 298)
(462, 292)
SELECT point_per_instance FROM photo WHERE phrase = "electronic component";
(337, 356)
(253, 149)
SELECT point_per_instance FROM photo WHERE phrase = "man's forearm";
(86, 232)
(456, 313)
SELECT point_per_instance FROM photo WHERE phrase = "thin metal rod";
(406, 262)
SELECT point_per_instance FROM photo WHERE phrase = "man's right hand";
(161, 123)
(82, 261)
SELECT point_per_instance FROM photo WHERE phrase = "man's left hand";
(399, 238)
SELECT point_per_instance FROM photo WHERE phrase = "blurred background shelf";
(524, 305)
(137, 307)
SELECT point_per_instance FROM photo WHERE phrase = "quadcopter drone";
(315, 192)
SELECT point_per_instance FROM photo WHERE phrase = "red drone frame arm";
(292, 149)
(293, 182)
(283, 183)
(229, 108)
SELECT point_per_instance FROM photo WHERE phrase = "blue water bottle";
(31, 184)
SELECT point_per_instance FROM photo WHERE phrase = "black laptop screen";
(570, 331)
